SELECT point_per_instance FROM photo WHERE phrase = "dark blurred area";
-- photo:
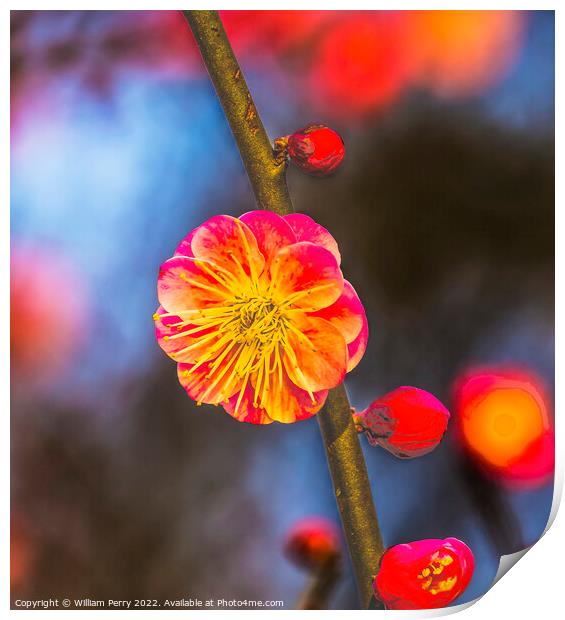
(444, 214)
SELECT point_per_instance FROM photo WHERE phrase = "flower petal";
(229, 244)
(347, 313)
(294, 404)
(197, 382)
(271, 231)
(246, 411)
(184, 248)
(287, 403)
(185, 285)
(317, 359)
(306, 276)
(356, 349)
(306, 229)
(182, 348)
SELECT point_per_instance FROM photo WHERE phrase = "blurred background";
(444, 213)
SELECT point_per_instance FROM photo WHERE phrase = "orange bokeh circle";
(503, 421)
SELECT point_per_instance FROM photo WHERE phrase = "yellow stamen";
(195, 330)
(215, 382)
(444, 586)
(429, 574)
(302, 337)
(253, 271)
(197, 284)
(265, 390)
(300, 294)
(241, 393)
(220, 279)
(258, 385)
(294, 370)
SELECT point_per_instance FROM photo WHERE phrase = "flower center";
(246, 337)
(260, 320)
(430, 575)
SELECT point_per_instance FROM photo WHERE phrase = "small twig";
(493, 507)
(267, 176)
(320, 586)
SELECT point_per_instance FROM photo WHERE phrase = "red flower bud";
(425, 574)
(316, 149)
(312, 542)
(408, 422)
(503, 423)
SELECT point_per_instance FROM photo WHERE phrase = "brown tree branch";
(267, 177)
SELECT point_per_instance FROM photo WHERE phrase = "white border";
(534, 586)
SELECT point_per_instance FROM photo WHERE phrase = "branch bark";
(268, 180)
(267, 176)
